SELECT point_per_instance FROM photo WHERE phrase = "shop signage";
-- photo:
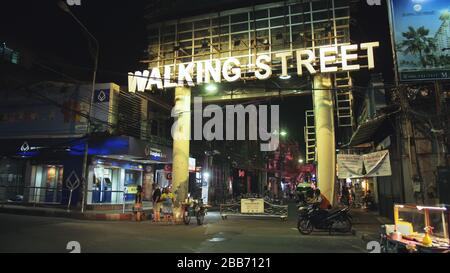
(251, 206)
(131, 189)
(167, 168)
(368, 165)
(152, 152)
(169, 176)
(330, 59)
(101, 95)
(25, 147)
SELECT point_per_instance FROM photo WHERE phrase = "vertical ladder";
(310, 136)
(344, 99)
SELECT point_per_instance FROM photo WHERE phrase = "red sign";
(169, 176)
(241, 173)
(307, 168)
(168, 168)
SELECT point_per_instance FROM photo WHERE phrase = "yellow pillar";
(181, 135)
(325, 139)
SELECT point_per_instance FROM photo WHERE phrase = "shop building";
(43, 137)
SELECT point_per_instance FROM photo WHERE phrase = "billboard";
(421, 38)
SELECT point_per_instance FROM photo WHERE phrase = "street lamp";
(63, 6)
(300, 161)
(283, 133)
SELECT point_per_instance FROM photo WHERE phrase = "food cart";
(422, 229)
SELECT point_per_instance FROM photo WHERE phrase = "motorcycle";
(194, 209)
(312, 217)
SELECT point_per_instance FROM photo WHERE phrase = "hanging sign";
(368, 165)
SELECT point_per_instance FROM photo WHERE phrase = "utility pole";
(63, 6)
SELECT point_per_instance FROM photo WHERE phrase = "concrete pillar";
(325, 138)
(181, 134)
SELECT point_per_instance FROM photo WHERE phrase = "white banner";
(349, 166)
(377, 164)
(368, 165)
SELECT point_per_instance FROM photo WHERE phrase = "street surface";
(236, 235)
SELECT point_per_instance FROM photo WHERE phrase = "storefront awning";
(365, 131)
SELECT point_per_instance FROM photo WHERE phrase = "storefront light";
(285, 77)
(364, 185)
(206, 176)
(431, 208)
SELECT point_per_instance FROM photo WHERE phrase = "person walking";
(156, 199)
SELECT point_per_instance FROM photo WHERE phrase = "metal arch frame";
(249, 34)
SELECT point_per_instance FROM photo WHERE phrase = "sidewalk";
(367, 224)
(108, 215)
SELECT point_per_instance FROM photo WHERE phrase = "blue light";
(28, 154)
(108, 147)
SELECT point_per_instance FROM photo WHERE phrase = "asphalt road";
(236, 235)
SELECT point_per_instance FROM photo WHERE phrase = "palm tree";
(417, 42)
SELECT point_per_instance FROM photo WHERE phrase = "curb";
(72, 215)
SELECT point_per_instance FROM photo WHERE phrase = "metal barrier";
(270, 210)
(54, 196)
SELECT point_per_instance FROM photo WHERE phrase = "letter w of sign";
(74, 2)
(374, 2)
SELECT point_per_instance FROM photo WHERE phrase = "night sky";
(42, 30)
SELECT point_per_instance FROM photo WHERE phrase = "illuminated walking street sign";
(330, 59)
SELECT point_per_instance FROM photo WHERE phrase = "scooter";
(312, 217)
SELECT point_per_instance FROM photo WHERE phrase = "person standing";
(138, 203)
(156, 198)
(167, 204)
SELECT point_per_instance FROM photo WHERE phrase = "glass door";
(47, 184)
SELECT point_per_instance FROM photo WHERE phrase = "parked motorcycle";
(194, 209)
(312, 217)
